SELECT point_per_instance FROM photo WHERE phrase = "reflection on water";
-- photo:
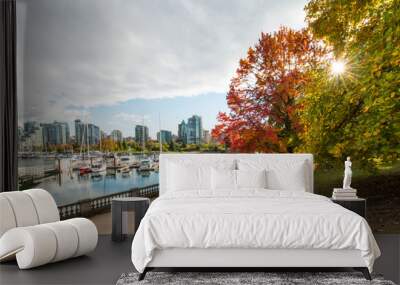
(70, 186)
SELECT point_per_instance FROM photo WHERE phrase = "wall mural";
(105, 86)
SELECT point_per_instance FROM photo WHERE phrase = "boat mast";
(82, 141)
(100, 140)
(159, 126)
(87, 136)
(143, 133)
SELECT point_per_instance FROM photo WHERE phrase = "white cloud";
(132, 118)
(86, 53)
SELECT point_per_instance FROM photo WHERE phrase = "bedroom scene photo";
(220, 127)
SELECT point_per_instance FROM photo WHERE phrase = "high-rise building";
(30, 127)
(141, 134)
(165, 136)
(194, 130)
(86, 133)
(103, 135)
(55, 133)
(32, 141)
(65, 129)
(37, 138)
(94, 134)
(116, 135)
(182, 132)
(79, 132)
(206, 136)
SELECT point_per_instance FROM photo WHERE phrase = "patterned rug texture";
(243, 278)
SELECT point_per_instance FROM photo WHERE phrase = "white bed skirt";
(191, 257)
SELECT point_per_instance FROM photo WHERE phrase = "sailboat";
(125, 171)
(84, 170)
(98, 167)
(84, 164)
(145, 163)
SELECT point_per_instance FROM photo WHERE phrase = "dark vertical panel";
(8, 97)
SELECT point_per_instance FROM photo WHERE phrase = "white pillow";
(281, 174)
(183, 177)
(251, 178)
(291, 179)
(223, 179)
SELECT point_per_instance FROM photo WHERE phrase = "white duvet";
(250, 219)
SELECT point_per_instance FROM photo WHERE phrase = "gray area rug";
(228, 278)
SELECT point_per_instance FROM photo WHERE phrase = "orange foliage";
(263, 94)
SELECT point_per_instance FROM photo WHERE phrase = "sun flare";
(338, 67)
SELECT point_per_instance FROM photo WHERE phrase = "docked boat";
(98, 168)
(145, 165)
(84, 170)
(125, 161)
(135, 164)
(156, 167)
(125, 170)
(77, 162)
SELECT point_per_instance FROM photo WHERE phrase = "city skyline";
(91, 133)
(152, 112)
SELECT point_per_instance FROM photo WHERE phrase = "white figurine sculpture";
(347, 174)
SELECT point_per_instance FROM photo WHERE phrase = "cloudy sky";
(117, 63)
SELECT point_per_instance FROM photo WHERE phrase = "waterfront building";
(37, 138)
(182, 132)
(103, 135)
(66, 134)
(116, 135)
(94, 134)
(165, 136)
(79, 131)
(30, 127)
(55, 133)
(32, 141)
(86, 133)
(141, 134)
(206, 136)
(194, 130)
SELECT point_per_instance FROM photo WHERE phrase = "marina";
(75, 178)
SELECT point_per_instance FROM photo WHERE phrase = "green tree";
(171, 146)
(134, 146)
(124, 145)
(357, 113)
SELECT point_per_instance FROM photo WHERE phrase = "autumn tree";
(263, 94)
(358, 112)
(109, 144)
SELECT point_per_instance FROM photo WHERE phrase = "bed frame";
(250, 259)
(245, 259)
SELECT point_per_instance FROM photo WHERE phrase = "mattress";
(250, 219)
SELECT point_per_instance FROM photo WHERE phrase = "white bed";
(201, 220)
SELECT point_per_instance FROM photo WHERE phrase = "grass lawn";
(382, 190)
